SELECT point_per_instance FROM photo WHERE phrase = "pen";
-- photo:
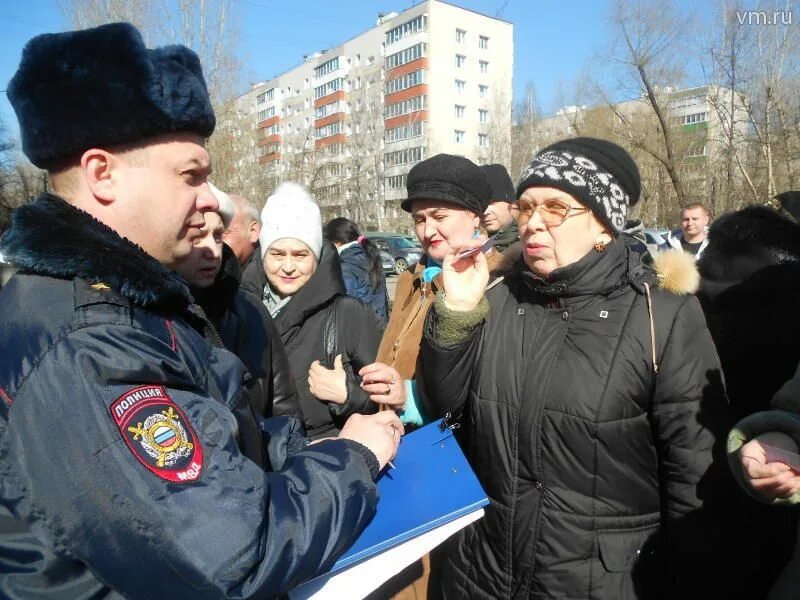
(382, 407)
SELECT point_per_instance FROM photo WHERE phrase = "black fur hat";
(102, 86)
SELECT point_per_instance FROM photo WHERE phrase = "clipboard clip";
(449, 422)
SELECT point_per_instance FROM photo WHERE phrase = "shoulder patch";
(158, 433)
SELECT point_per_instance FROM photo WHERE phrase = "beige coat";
(413, 298)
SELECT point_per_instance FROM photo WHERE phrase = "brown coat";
(413, 298)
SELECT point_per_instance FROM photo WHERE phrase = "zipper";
(537, 446)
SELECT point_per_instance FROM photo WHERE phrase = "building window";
(328, 109)
(396, 182)
(327, 67)
(406, 56)
(483, 115)
(328, 130)
(459, 136)
(328, 88)
(404, 157)
(261, 98)
(404, 132)
(460, 86)
(696, 150)
(460, 110)
(483, 42)
(484, 66)
(483, 91)
(405, 81)
(701, 117)
(406, 106)
(461, 36)
(272, 129)
(406, 29)
(461, 61)
(483, 140)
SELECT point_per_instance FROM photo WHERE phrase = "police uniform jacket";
(121, 471)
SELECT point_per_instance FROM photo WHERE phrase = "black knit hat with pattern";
(599, 173)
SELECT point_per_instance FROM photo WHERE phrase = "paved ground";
(391, 282)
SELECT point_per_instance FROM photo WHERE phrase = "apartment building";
(701, 118)
(351, 121)
(704, 122)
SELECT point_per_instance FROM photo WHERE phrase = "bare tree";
(20, 181)
(206, 26)
(524, 136)
(364, 164)
(650, 33)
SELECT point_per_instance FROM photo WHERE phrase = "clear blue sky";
(554, 40)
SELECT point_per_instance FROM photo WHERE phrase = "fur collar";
(53, 238)
(748, 240)
(754, 253)
(624, 262)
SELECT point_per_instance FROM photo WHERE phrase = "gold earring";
(600, 246)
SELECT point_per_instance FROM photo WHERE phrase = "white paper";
(359, 580)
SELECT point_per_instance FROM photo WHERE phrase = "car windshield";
(400, 243)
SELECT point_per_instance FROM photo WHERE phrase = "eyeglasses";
(553, 212)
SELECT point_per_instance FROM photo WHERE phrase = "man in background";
(241, 235)
(692, 237)
(497, 217)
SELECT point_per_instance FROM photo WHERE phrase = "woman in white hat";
(328, 336)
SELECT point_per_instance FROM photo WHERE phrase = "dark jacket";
(246, 329)
(119, 424)
(357, 282)
(750, 292)
(301, 323)
(507, 237)
(253, 276)
(591, 459)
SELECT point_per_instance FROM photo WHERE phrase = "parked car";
(403, 252)
(387, 262)
(654, 238)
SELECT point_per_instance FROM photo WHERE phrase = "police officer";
(121, 427)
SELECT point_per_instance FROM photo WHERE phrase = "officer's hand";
(379, 432)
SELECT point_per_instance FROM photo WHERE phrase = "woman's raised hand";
(465, 277)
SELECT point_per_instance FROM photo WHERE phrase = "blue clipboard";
(431, 485)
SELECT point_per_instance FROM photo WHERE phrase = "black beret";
(102, 86)
(454, 179)
(502, 188)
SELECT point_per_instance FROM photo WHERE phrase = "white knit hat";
(290, 212)
(226, 208)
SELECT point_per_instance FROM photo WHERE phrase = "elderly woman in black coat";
(582, 382)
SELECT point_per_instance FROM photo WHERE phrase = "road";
(391, 282)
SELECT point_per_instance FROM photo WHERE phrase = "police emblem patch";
(158, 433)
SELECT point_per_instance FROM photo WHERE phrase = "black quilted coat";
(590, 458)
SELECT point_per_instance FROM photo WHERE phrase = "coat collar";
(53, 238)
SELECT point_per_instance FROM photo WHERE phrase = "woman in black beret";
(578, 383)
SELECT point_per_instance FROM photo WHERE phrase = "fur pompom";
(677, 272)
